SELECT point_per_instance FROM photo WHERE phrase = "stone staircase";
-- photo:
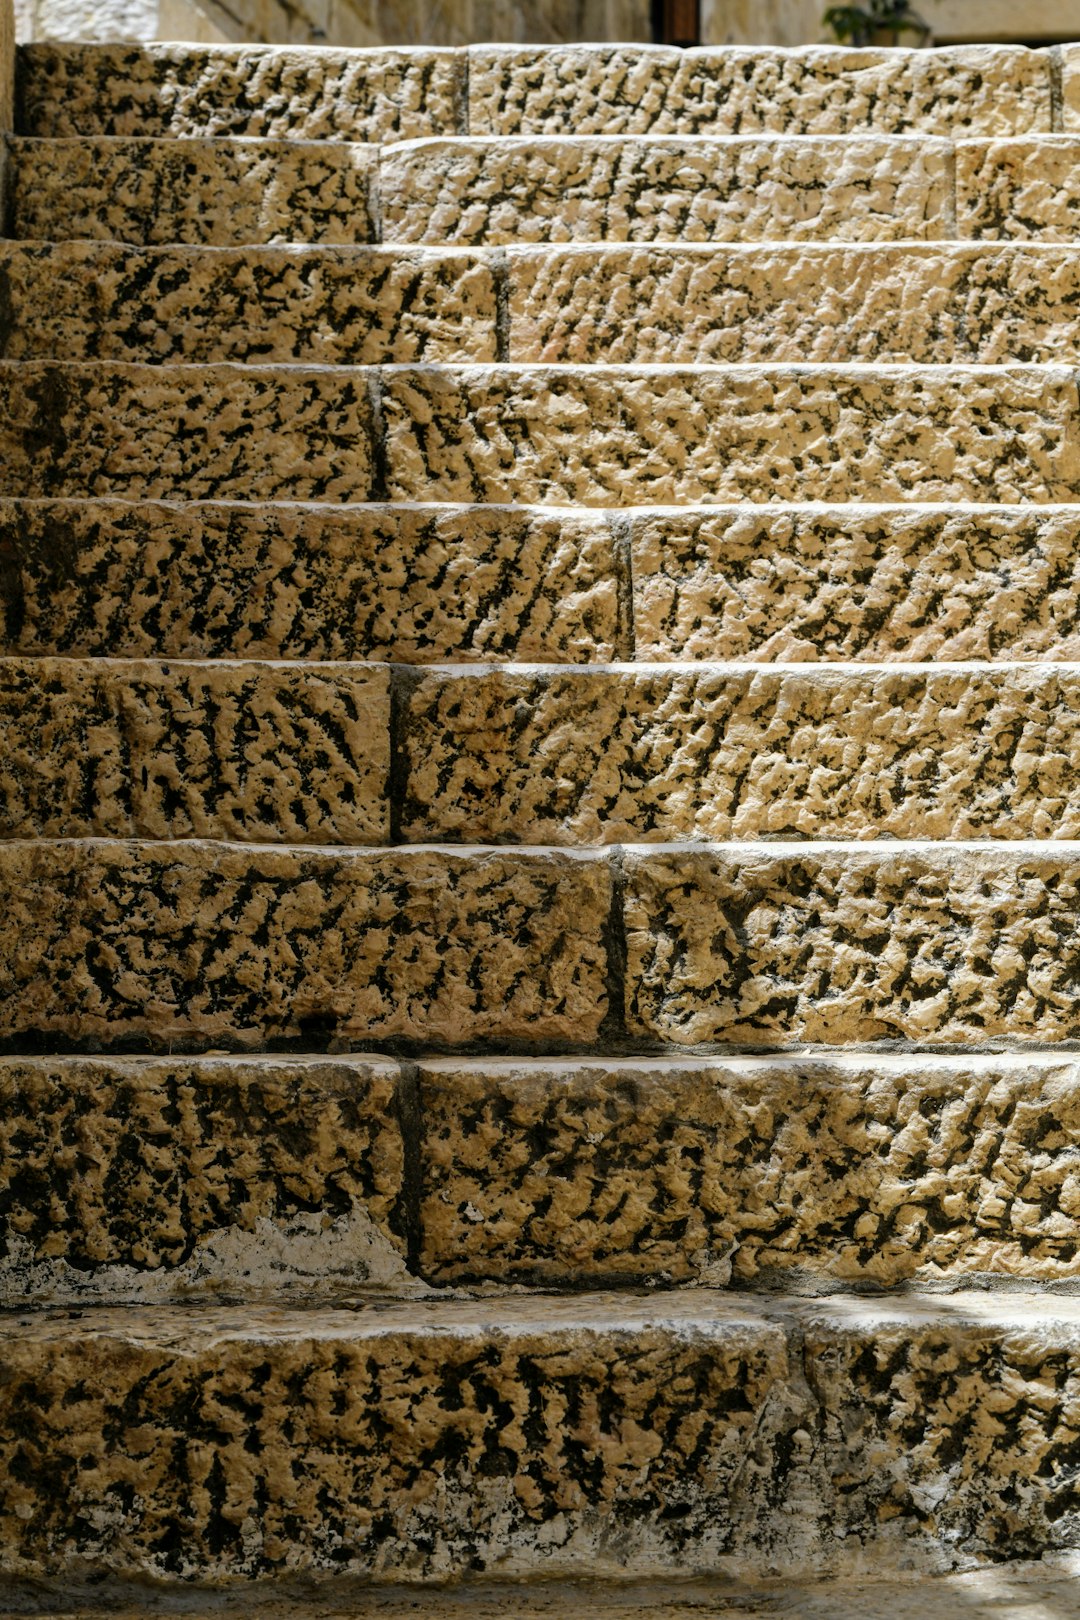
(539, 783)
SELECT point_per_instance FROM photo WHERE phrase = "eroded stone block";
(1019, 189)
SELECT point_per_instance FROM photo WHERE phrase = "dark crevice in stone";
(500, 276)
(622, 548)
(1057, 92)
(614, 939)
(406, 1219)
(377, 428)
(403, 679)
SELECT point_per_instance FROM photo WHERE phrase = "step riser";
(101, 579)
(302, 755)
(141, 1180)
(150, 946)
(603, 438)
(605, 1442)
(502, 192)
(393, 95)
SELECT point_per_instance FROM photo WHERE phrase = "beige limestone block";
(99, 748)
(602, 756)
(1019, 188)
(620, 437)
(668, 188)
(223, 193)
(139, 1179)
(605, 90)
(885, 584)
(1070, 86)
(352, 306)
(411, 1440)
(805, 1172)
(774, 946)
(214, 944)
(939, 304)
(251, 90)
(190, 432)
(100, 578)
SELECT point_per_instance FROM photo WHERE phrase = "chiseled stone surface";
(884, 584)
(1019, 188)
(352, 306)
(96, 748)
(104, 578)
(249, 90)
(666, 188)
(625, 437)
(191, 432)
(631, 90)
(600, 756)
(772, 946)
(426, 1441)
(945, 303)
(135, 1179)
(223, 193)
(591, 1436)
(203, 944)
(810, 1172)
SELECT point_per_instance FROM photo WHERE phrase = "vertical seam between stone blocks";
(620, 528)
(952, 201)
(7, 188)
(410, 1124)
(613, 1028)
(1056, 70)
(464, 118)
(380, 466)
(403, 679)
(500, 275)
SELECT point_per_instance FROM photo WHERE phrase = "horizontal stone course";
(588, 1436)
(776, 947)
(665, 189)
(220, 192)
(141, 1179)
(625, 437)
(103, 748)
(349, 306)
(267, 91)
(807, 1172)
(602, 756)
(100, 578)
(205, 945)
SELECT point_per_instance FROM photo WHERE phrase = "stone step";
(274, 753)
(133, 1179)
(501, 190)
(416, 584)
(379, 95)
(604, 436)
(596, 1436)
(425, 584)
(558, 756)
(138, 1180)
(930, 304)
(192, 946)
(200, 191)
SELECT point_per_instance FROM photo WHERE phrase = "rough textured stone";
(137, 1179)
(633, 90)
(810, 1172)
(772, 946)
(619, 437)
(193, 432)
(103, 578)
(667, 188)
(889, 583)
(180, 90)
(580, 757)
(1019, 189)
(352, 306)
(196, 945)
(420, 1440)
(103, 748)
(940, 304)
(218, 192)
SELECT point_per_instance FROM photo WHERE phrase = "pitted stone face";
(101, 578)
(139, 1179)
(1019, 188)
